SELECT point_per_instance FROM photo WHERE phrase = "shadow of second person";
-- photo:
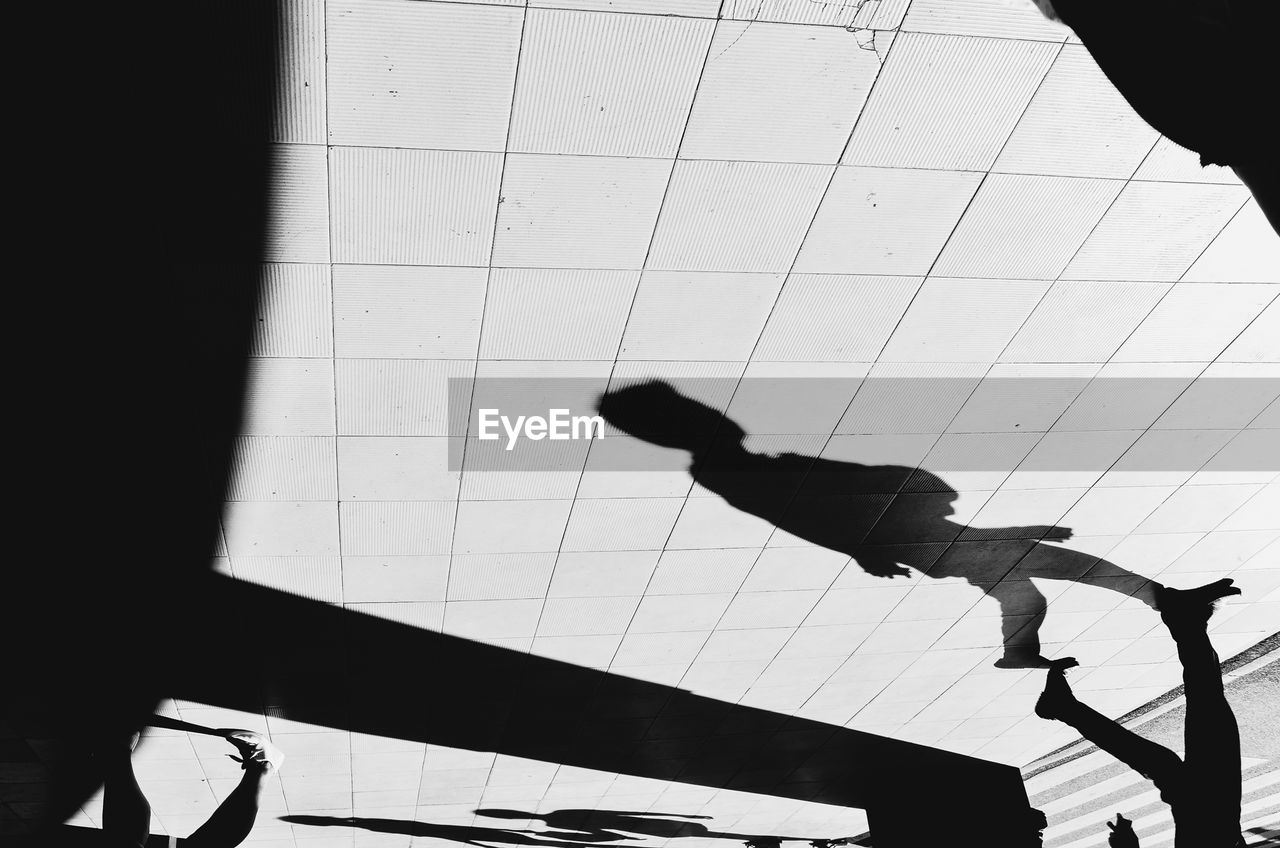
(893, 520)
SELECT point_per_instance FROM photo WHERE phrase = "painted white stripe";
(1134, 803)
(1089, 793)
(1068, 771)
(1164, 817)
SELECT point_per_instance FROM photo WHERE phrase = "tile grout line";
(902, 316)
(475, 363)
(1055, 175)
(497, 214)
(835, 169)
(617, 358)
(333, 350)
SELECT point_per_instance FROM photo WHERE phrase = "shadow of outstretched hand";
(1050, 533)
(879, 562)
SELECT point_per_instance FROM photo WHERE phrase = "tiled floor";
(916, 191)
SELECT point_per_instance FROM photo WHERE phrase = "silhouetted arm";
(1048, 532)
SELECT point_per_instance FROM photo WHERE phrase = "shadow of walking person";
(892, 520)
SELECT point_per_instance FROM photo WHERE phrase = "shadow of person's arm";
(1046, 532)
(879, 562)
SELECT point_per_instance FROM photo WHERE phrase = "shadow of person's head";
(655, 412)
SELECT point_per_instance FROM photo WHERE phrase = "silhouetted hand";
(1122, 835)
(885, 569)
(878, 565)
(1054, 534)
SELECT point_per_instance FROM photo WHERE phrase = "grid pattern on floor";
(690, 189)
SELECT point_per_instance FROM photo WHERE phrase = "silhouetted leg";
(1153, 761)
(126, 815)
(1022, 611)
(1212, 737)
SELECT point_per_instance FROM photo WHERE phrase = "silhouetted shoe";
(1056, 698)
(1016, 658)
(255, 751)
(1182, 607)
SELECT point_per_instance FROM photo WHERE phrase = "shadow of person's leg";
(1022, 611)
(1155, 762)
(126, 815)
(1117, 579)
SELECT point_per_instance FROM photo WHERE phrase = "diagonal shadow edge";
(319, 664)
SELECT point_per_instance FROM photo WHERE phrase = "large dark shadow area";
(893, 520)
(140, 211)
(119, 609)
(1208, 100)
(249, 648)
(572, 829)
(140, 207)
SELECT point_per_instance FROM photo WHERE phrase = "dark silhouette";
(157, 236)
(320, 664)
(139, 409)
(126, 814)
(1213, 103)
(1203, 789)
(887, 517)
(569, 828)
(1121, 833)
